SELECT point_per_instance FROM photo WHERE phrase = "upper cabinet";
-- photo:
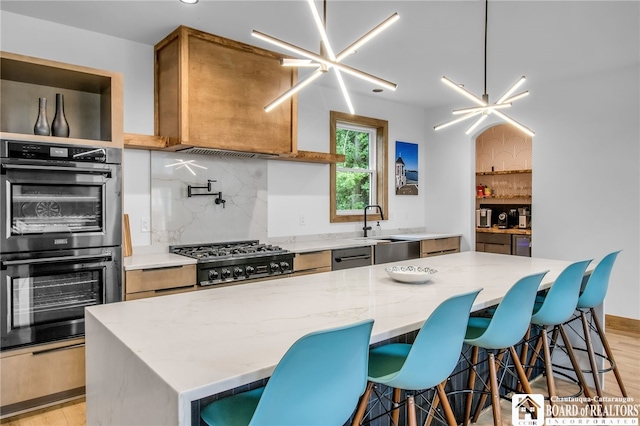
(210, 93)
(92, 100)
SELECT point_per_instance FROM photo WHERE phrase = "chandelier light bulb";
(327, 59)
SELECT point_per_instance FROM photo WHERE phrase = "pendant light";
(327, 59)
(484, 107)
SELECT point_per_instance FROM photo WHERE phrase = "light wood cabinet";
(438, 246)
(210, 92)
(142, 283)
(92, 100)
(40, 375)
(312, 262)
(493, 242)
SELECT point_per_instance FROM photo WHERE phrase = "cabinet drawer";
(493, 238)
(439, 246)
(42, 372)
(311, 271)
(155, 293)
(313, 260)
(160, 278)
(493, 248)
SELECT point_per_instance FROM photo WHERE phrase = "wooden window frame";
(382, 188)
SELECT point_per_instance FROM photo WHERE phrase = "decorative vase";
(42, 124)
(59, 126)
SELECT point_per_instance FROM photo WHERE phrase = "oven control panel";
(52, 152)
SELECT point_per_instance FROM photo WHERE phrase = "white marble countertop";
(149, 257)
(155, 260)
(205, 342)
(331, 244)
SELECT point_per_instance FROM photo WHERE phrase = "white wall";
(586, 157)
(299, 192)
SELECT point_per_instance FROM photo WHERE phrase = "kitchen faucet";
(368, 228)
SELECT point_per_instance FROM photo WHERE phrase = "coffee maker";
(483, 218)
(524, 218)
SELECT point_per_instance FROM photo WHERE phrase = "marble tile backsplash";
(179, 219)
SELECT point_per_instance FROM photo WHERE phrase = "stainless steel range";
(223, 263)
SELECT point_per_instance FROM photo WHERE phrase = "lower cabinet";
(438, 246)
(312, 262)
(142, 283)
(493, 243)
(37, 376)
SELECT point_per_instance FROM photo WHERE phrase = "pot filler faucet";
(368, 228)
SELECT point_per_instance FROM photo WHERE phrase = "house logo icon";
(527, 410)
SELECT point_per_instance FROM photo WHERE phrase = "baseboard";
(628, 325)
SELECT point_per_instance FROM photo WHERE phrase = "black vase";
(60, 127)
(42, 123)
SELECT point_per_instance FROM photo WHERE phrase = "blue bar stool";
(591, 297)
(552, 309)
(317, 382)
(425, 364)
(498, 334)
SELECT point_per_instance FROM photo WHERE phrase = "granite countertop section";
(205, 342)
(495, 230)
(331, 244)
(155, 260)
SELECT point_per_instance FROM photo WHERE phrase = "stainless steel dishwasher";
(351, 258)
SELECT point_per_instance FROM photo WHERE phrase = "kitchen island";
(148, 360)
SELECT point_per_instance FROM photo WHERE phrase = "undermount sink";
(394, 250)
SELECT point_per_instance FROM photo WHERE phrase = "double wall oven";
(61, 237)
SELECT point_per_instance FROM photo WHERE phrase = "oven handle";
(104, 256)
(106, 172)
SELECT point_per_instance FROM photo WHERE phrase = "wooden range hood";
(210, 94)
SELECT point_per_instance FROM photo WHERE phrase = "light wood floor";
(626, 348)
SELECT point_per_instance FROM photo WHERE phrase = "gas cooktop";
(219, 251)
(226, 263)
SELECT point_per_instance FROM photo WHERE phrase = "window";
(362, 178)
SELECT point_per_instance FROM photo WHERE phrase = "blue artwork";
(406, 168)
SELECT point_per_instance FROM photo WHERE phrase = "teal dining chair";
(592, 296)
(317, 382)
(497, 334)
(425, 364)
(550, 311)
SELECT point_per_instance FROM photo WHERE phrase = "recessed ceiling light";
(189, 1)
(377, 90)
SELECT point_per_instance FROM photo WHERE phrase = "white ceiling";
(543, 40)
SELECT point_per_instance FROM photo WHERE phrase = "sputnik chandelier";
(484, 108)
(327, 59)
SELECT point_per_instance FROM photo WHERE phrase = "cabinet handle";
(163, 290)
(63, 348)
(162, 268)
(362, 256)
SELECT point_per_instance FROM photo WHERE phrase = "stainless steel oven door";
(44, 294)
(58, 206)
